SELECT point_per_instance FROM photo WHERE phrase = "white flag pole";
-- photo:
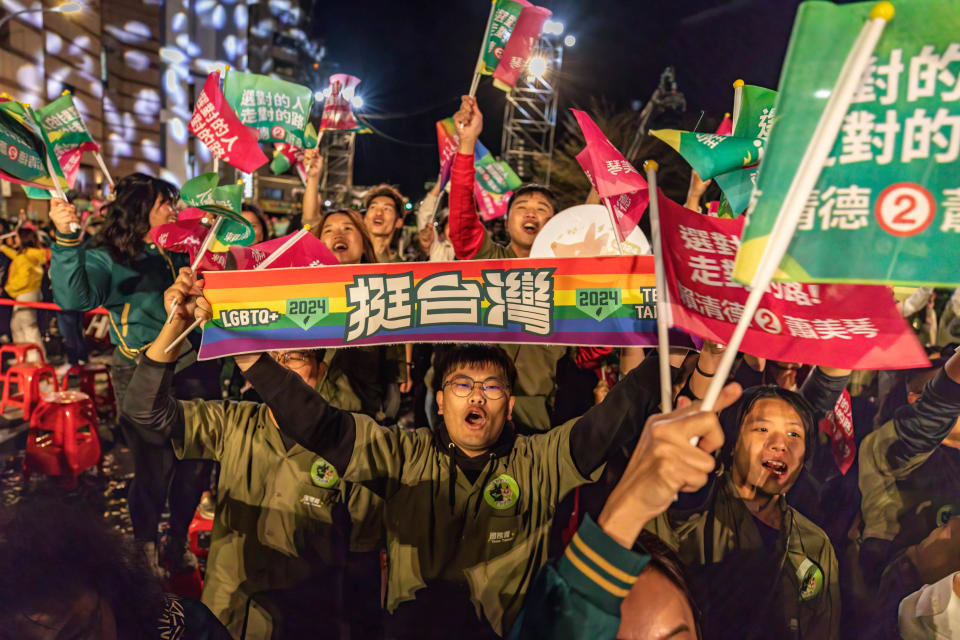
(816, 153)
(292, 240)
(103, 168)
(613, 221)
(476, 70)
(211, 234)
(216, 165)
(664, 321)
(180, 338)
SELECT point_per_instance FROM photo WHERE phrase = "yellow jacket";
(26, 269)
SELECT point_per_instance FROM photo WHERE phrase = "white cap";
(931, 613)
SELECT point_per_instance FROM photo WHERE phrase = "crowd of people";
(475, 491)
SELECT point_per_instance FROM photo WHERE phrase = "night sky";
(416, 58)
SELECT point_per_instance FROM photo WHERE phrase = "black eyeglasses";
(462, 386)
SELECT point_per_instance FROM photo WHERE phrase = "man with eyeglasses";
(467, 507)
(282, 527)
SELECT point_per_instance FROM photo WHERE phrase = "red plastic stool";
(62, 440)
(198, 535)
(87, 375)
(19, 350)
(27, 378)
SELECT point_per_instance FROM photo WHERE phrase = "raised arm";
(466, 231)
(923, 425)
(313, 163)
(823, 387)
(78, 283)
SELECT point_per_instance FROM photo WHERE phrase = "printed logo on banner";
(306, 312)
(502, 492)
(232, 318)
(598, 303)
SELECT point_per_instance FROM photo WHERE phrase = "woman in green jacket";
(123, 270)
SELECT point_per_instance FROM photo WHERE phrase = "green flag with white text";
(886, 206)
(225, 201)
(753, 116)
(711, 154)
(505, 15)
(277, 109)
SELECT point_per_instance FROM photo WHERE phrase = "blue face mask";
(281, 226)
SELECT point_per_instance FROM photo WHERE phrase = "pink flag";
(612, 176)
(219, 128)
(308, 251)
(520, 47)
(845, 326)
(726, 127)
(337, 113)
(183, 236)
(838, 425)
(490, 205)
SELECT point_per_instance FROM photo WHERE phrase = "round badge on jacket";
(323, 474)
(502, 492)
(810, 576)
(946, 512)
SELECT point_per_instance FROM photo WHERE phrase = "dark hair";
(369, 255)
(48, 547)
(449, 357)
(127, 218)
(385, 191)
(29, 238)
(258, 212)
(528, 189)
(664, 560)
(731, 418)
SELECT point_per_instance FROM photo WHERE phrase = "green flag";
(23, 148)
(753, 116)
(886, 206)
(65, 127)
(225, 201)
(277, 109)
(711, 154)
(505, 15)
(280, 163)
(496, 176)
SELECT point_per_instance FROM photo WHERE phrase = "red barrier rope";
(49, 306)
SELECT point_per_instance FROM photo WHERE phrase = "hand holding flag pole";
(207, 241)
(803, 182)
(663, 307)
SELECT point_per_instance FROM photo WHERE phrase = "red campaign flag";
(337, 113)
(726, 126)
(219, 128)
(308, 251)
(183, 236)
(490, 205)
(838, 425)
(612, 175)
(519, 49)
(844, 326)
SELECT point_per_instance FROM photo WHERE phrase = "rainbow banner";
(605, 301)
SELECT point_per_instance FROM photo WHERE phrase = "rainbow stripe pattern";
(605, 301)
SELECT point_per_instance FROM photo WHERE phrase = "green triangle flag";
(711, 154)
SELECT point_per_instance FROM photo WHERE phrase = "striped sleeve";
(599, 568)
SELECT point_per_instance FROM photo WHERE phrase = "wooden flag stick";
(476, 70)
(216, 165)
(180, 338)
(663, 303)
(292, 240)
(816, 153)
(613, 221)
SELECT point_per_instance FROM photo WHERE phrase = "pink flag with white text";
(308, 251)
(520, 47)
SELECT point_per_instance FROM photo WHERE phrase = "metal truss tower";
(337, 150)
(530, 118)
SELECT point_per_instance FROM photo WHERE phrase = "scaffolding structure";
(337, 150)
(530, 116)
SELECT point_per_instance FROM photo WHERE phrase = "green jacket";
(792, 593)
(578, 596)
(84, 279)
(283, 514)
